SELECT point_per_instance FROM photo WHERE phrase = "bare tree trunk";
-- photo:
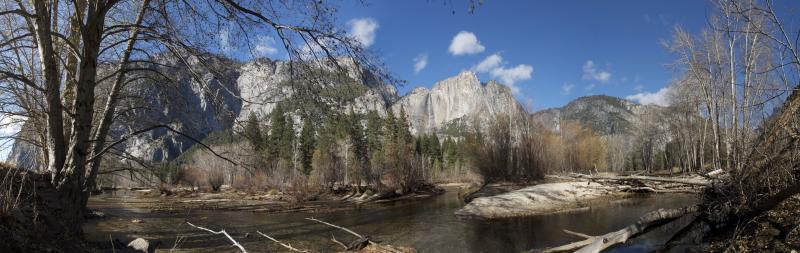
(56, 152)
(111, 103)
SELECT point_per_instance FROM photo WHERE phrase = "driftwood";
(687, 181)
(236, 244)
(359, 243)
(647, 189)
(598, 243)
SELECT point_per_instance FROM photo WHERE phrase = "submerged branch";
(235, 243)
(285, 245)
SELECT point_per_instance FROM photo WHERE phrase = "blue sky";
(552, 51)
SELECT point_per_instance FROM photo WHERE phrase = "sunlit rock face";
(263, 83)
(462, 98)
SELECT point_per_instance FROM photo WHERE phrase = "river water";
(427, 225)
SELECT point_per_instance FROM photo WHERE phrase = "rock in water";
(139, 245)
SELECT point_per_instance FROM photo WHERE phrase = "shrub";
(215, 179)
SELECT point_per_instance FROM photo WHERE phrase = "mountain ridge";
(257, 86)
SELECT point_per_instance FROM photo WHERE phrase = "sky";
(548, 52)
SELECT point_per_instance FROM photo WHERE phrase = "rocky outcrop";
(263, 83)
(195, 101)
(462, 98)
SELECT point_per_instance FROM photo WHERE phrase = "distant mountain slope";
(240, 89)
(606, 115)
(462, 98)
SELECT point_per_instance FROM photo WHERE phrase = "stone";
(139, 245)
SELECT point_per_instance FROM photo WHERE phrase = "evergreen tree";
(307, 144)
(374, 132)
(435, 148)
(281, 136)
(326, 134)
(390, 126)
(357, 138)
(402, 127)
(252, 132)
(419, 143)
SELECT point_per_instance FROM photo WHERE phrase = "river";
(427, 225)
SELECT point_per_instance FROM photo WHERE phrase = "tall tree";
(252, 132)
(307, 144)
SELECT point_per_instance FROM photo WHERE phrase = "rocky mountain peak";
(458, 98)
(466, 80)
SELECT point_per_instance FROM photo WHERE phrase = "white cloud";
(638, 88)
(265, 46)
(465, 43)
(363, 30)
(494, 65)
(589, 87)
(509, 76)
(590, 72)
(566, 88)
(491, 62)
(420, 62)
(659, 98)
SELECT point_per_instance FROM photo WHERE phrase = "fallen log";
(598, 243)
(688, 181)
(647, 189)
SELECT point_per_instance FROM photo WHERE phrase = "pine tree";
(390, 126)
(252, 132)
(281, 137)
(435, 148)
(307, 144)
(419, 143)
(357, 139)
(402, 127)
(374, 132)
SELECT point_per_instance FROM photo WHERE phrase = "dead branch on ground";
(360, 243)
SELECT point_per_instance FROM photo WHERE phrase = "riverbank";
(229, 199)
(777, 230)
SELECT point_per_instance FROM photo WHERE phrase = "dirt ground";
(775, 231)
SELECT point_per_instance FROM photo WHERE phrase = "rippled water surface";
(427, 225)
